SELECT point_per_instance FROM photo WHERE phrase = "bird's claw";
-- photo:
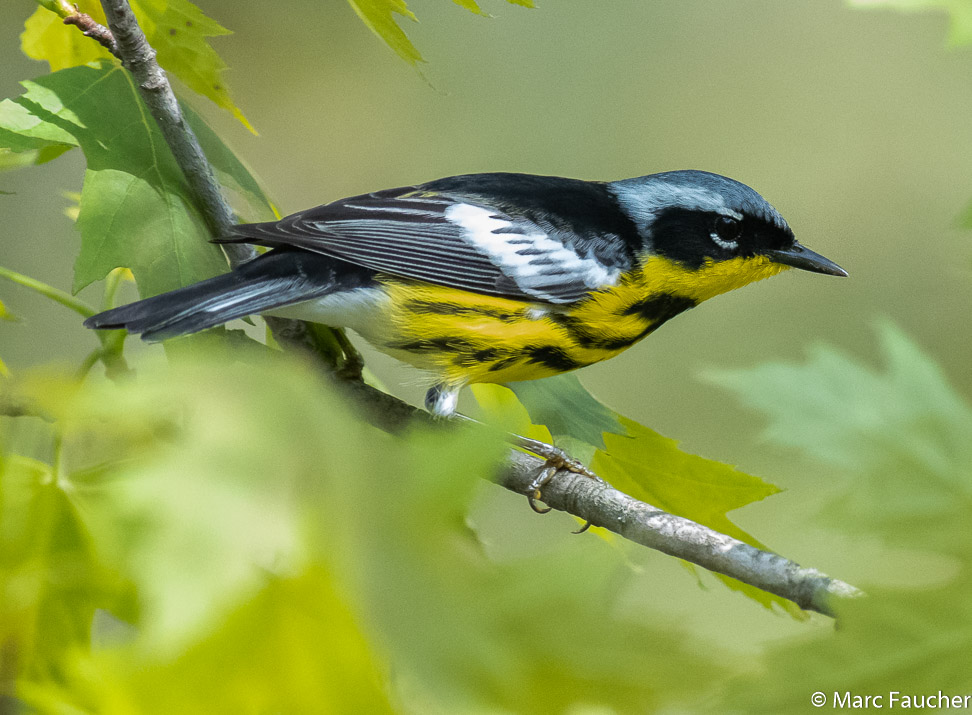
(539, 482)
(587, 525)
(556, 459)
(532, 500)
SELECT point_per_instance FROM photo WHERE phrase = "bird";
(494, 277)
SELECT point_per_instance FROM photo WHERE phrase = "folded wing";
(449, 239)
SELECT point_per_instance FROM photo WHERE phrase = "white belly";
(364, 310)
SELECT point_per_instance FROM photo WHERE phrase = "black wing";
(527, 237)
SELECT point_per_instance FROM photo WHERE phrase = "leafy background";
(853, 123)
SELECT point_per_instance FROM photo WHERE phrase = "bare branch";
(603, 505)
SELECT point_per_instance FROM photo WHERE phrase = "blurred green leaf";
(916, 643)
(177, 29)
(958, 11)
(218, 536)
(293, 648)
(903, 431)
(6, 314)
(50, 580)
(565, 406)
(903, 440)
(267, 534)
(213, 532)
(136, 208)
(537, 635)
(965, 219)
(379, 16)
(195, 518)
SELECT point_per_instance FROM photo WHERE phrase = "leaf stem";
(112, 284)
(60, 7)
(55, 294)
(112, 341)
(88, 363)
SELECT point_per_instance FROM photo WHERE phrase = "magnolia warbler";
(494, 277)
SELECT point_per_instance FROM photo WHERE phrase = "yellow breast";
(467, 337)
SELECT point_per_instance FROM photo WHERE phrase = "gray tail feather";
(273, 280)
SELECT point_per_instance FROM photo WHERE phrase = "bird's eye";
(726, 232)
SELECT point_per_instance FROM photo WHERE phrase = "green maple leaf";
(652, 468)
(565, 406)
(136, 208)
(379, 16)
(902, 431)
(177, 29)
(901, 437)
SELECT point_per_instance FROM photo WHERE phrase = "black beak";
(800, 257)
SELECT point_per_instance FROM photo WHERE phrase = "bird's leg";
(441, 401)
(556, 459)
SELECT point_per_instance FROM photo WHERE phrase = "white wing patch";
(532, 259)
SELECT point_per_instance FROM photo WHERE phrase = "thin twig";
(93, 29)
(603, 505)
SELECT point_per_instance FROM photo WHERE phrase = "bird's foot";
(556, 459)
(441, 400)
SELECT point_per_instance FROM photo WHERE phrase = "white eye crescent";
(726, 232)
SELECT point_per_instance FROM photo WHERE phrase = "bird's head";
(714, 229)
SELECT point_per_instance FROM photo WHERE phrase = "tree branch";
(603, 505)
(139, 58)
(596, 502)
